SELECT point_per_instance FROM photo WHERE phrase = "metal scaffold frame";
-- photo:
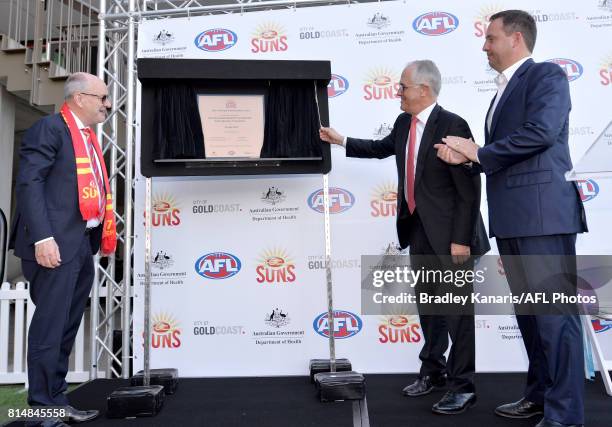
(118, 20)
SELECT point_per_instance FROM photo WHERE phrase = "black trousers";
(437, 328)
(555, 377)
(60, 295)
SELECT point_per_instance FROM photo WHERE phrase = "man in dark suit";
(61, 170)
(533, 210)
(439, 218)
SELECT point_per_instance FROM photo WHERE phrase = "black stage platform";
(292, 402)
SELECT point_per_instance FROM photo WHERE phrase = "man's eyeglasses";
(102, 98)
(403, 87)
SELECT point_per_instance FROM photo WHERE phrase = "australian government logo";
(278, 332)
(167, 48)
(379, 30)
(486, 83)
(162, 273)
(273, 207)
(603, 19)
(382, 130)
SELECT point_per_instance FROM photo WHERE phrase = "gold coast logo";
(384, 201)
(165, 331)
(380, 83)
(399, 328)
(165, 212)
(275, 266)
(605, 71)
(269, 37)
(482, 20)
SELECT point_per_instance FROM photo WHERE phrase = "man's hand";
(459, 253)
(47, 254)
(449, 156)
(466, 147)
(330, 135)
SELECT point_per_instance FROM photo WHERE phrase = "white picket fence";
(16, 311)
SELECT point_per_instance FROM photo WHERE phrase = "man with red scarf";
(64, 215)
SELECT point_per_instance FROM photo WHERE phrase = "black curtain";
(292, 120)
(179, 129)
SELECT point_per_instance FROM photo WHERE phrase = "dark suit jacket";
(447, 197)
(526, 156)
(47, 192)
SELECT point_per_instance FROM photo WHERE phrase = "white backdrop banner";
(238, 278)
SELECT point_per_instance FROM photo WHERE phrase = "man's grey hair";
(76, 82)
(426, 72)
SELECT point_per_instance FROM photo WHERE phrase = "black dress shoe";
(454, 403)
(77, 416)
(550, 423)
(423, 385)
(521, 409)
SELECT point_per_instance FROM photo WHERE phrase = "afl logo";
(337, 86)
(588, 189)
(215, 40)
(572, 69)
(340, 200)
(346, 324)
(217, 265)
(435, 23)
(600, 325)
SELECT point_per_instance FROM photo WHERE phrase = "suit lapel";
(511, 85)
(426, 143)
(401, 144)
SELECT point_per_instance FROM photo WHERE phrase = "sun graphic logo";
(381, 83)
(165, 331)
(384, 201)
(399, 328)
(482, 19)
(165, 211)
(275, 266)
(269, 37)
(605, 72)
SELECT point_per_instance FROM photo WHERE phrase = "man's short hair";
(76, 82)
(426, 72)
(519, 21)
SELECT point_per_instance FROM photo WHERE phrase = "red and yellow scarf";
(88, 191)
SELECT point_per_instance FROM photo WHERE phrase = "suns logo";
(217, 265)
(165, 211)
(435, 23)
(481, 23)
(399, 329)
(165, 331)
(380, 83)
(216, 40)
(384, 201)
(588, 189)
(275, 266)
(346, 324)
(337, 86)
(605, 72)
(572, 69)
(269, 37)
(340, 200)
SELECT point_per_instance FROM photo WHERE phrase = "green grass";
(15, 397)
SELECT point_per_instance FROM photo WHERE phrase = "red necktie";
(410, 161)
(96, 171)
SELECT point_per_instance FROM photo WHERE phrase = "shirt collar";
(423, 116)
(78, 121)
(509, 72)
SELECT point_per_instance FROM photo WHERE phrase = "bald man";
(63, 216)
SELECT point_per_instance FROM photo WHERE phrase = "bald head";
(87, 97)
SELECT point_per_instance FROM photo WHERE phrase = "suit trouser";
(60, 295)
(555, 377)
(437, 328)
